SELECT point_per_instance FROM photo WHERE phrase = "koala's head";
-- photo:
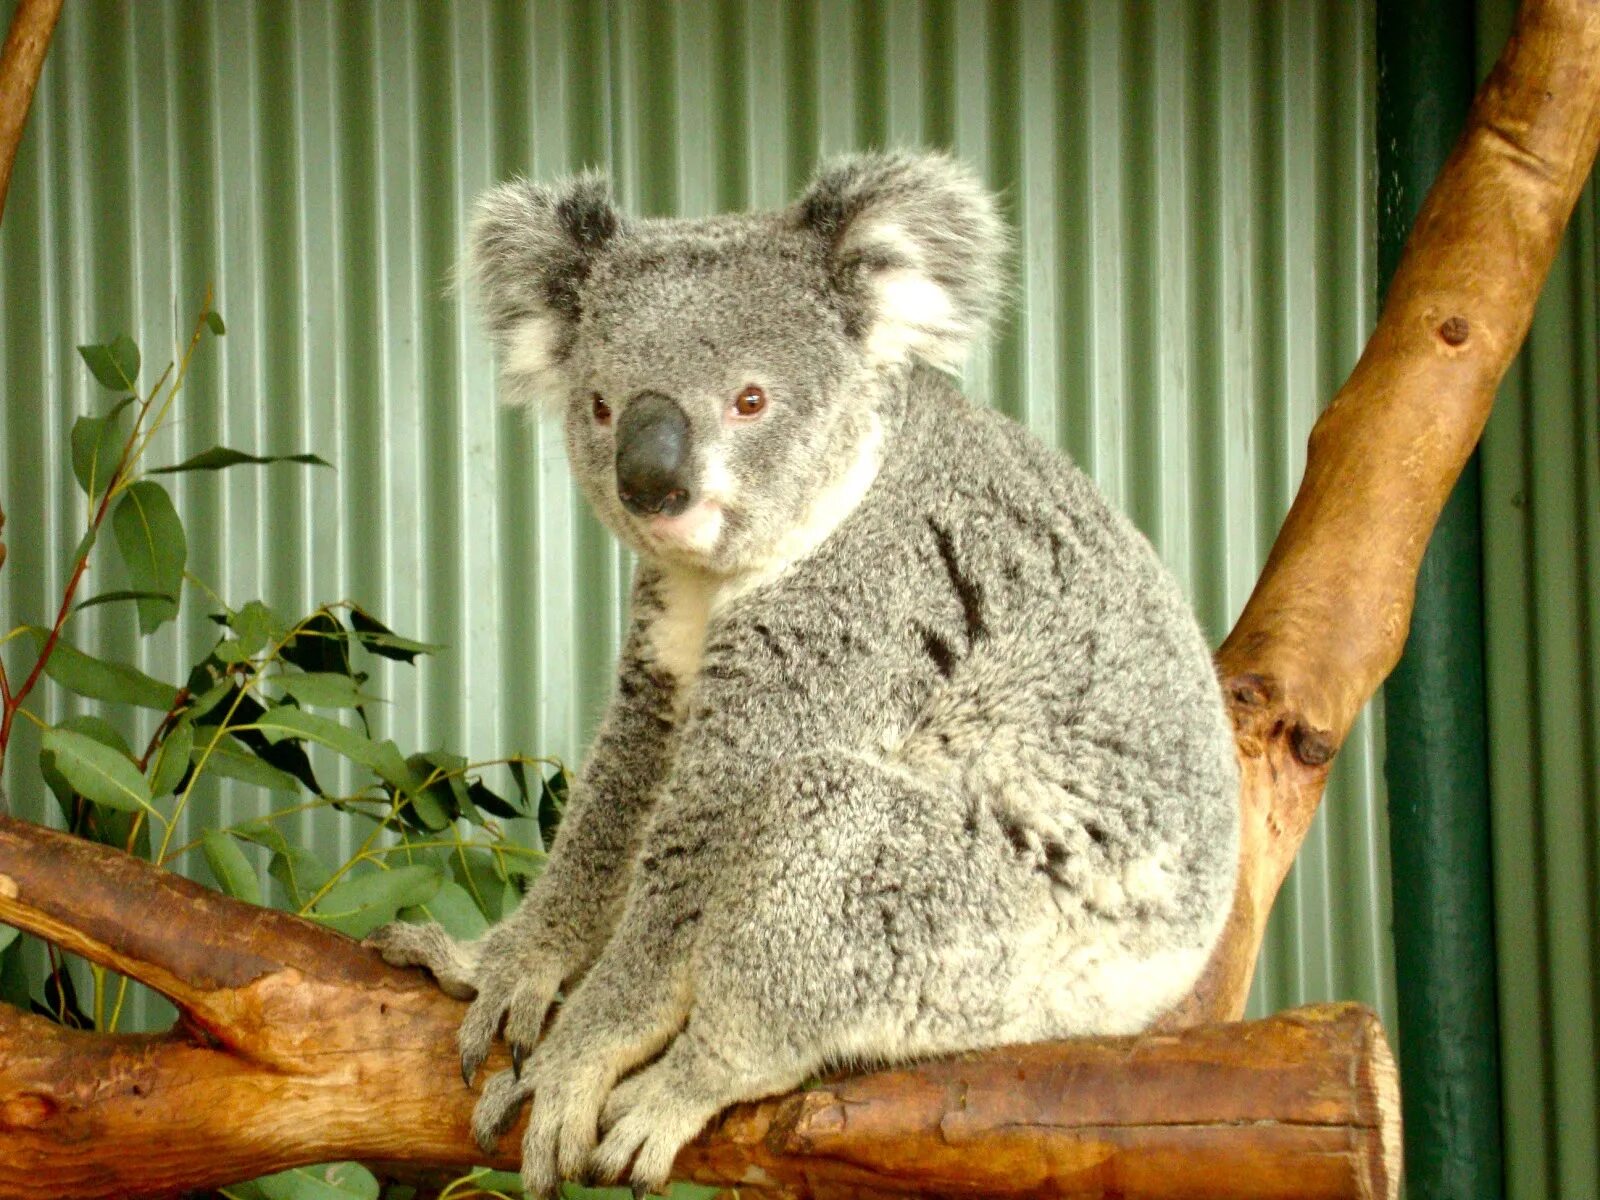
(725, 383)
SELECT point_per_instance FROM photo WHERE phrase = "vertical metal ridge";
(1190, 187)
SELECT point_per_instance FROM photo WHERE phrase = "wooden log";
(299, 1045)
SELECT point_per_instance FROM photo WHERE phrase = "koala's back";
(1033, 656)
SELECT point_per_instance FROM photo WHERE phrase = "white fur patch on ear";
(529, 356)
(913, 315)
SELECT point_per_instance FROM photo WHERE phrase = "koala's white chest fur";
(689, 599)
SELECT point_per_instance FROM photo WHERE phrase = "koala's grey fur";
(915, 746)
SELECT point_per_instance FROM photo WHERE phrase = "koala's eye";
(602, 410)
(750, 402)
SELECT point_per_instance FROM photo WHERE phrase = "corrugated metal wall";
(1541, 517)
(1192, 183)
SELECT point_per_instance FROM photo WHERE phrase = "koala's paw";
(646, 1121)
(516, 985)
(452, 964)
(562, 1123)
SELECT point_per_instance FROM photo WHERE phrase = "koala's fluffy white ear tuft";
(916, 247)
(530, 248)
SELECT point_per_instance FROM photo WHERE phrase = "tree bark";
(21, 60)
(296, 1045)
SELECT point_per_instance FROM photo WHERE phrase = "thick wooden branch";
(309, 1048)
(21, 60)
(297, 1046)
(1329, 615)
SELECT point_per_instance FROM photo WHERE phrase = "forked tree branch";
(297, 1046)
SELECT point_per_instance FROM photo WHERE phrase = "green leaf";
(334, 1181)
(490, 802)
(96, 771)
(97, 444)
(100, 680)
(383, 641)
(214, 322)
(8, 934)
(322, 689)
(453, 908)
(433, 807)
(97, 822)
(552, 804)
(153, 546)
(233, 761)
(479, 874)
(299, 873)
(210, 698)
(172, 760)
(115, 366)
(231, 867)
(319, 645)
(256, 625)
(86, 543)
(285, 721)
(358, 904)
(219, 457)
(113, 597)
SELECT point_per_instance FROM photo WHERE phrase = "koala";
(915, 745)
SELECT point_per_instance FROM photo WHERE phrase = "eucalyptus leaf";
(233, 761)
(8, 934)
(85, 543)
(333, 1181)
(172, 759)
(488, 801)
(100, 680)
(116, 366)
(154, 548)
(322, 689)
(126, 594)
(320, 644)
(299, 873)
(285, 721)
(219, 457)
(256, 625)
(359, 903)
(95, 771)
(232, 869)
(452, 907)
(97, 444)
(383, 641)
(214, 323)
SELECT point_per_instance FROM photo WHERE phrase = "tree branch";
(1329, 615)
(21, 60)
(298, 1045)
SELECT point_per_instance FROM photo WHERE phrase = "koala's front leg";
(513, 972)
(625, 1010)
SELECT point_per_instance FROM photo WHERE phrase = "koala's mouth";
(696, 528)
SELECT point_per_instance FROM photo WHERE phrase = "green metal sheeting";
(1541, 518)
(1192, 184)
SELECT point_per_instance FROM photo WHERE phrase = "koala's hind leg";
(867, 917)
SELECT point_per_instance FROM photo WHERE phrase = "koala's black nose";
(653, 456)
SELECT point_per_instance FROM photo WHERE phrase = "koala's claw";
(519, 1055)
(497, 1109)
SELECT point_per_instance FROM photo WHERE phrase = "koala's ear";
(916, 248)
(529, 250)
